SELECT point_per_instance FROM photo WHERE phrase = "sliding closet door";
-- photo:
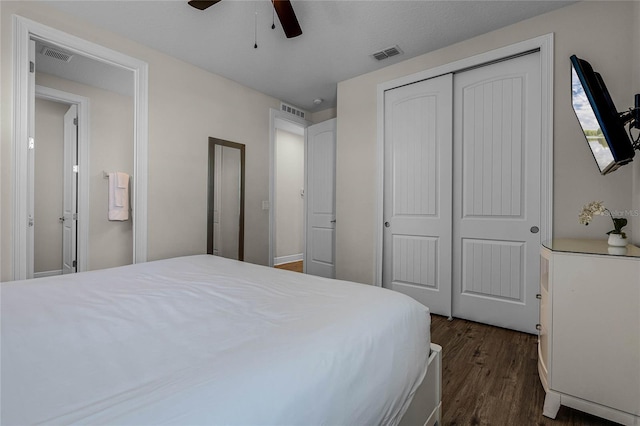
(497, 142)
(417, 192)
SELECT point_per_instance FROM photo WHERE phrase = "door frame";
(543, 44)
(280, 120)
(83, 104)
(23, 31)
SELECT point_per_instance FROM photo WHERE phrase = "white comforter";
(206, 340)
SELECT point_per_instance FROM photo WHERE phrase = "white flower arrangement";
(597, 208)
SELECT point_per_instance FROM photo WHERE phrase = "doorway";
(287, 131)
(55, 192)
(27, 32)
(302, 211)
(289, 196)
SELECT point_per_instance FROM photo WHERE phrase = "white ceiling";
(337, 41)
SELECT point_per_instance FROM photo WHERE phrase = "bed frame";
(426, 407)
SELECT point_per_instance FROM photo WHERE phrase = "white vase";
(616, 240)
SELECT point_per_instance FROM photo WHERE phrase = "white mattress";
(206, 340)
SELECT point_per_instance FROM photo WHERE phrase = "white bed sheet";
(207, 340)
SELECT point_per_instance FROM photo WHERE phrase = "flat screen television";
(601, 124)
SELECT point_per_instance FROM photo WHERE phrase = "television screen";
(598, 117)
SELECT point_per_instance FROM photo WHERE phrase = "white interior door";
(497, 142)
(70, 197)
(417, 192)
(320, 198)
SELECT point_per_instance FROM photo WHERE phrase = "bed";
(207, 340)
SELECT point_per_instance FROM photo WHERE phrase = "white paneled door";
(461, 215)
(417, 192)
(320, 199)
(70, 197)
(496, 240)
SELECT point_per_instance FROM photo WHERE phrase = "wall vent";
(387, 53)
(292, 110)
(56, 54)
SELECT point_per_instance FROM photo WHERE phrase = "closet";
(461, 216)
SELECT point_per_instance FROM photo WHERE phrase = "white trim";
(20, 114)
(288, 259)
(24, 30)
(545, 45)
(47, 274)
(84, 143)
(281, 120)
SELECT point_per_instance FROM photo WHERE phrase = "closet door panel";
(496, 201)
(417, 192)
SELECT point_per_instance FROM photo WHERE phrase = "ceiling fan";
(283, 9)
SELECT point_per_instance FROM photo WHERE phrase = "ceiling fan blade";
(287, 17)
(202, 4)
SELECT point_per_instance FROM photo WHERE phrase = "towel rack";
(105, 175)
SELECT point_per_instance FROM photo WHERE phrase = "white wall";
(110, 150)
(186, 106)
(289, 202)
(48, 185)
(324, 115)
(576, 177)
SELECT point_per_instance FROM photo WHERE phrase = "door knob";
(61, 219)
(534, 229)
(387, 224)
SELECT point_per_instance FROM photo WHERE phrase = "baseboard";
(47, 273)
(288, 259)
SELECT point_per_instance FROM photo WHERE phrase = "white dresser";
(589, 344)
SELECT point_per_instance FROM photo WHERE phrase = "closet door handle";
(387, 224)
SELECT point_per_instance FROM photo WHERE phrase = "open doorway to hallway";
(289, 196)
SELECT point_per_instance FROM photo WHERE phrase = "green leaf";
(619, 223)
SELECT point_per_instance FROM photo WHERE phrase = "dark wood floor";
(490, 377)
(292, 266)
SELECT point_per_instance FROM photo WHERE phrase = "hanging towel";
(118, 196)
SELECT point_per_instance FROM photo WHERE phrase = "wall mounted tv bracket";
(632, 118)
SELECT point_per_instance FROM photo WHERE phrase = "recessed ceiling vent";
(387, 53)
(56, 54)
(292, 110)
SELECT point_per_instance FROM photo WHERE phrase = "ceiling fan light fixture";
(287, 18)
(202, 4)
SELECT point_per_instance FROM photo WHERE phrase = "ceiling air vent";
(292, 110)
(56, 54)
(387, 53)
